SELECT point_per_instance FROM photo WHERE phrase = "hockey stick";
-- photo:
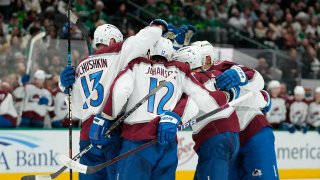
(33, 41)
(75, 20)
(85, 150)
(93, 169)
(70, 88)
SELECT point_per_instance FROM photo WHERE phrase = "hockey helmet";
(40, 74)
(273, 84)
(299, 90)
(190, 55)
(163, 47)
(104, 33)
(206, 49)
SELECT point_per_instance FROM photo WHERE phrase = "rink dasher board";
(26, 151)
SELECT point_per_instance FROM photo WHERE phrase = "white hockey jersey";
(139, 78)
(7, 108)
(278, 111)
(31, 96)
(314, 114)
(298, 111)
(95, 74)
(60, 106)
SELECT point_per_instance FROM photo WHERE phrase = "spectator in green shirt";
(98, 9)
(82, 8)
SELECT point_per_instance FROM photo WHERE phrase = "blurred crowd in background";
(291, 27)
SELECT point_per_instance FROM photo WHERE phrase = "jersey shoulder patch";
(217, 62)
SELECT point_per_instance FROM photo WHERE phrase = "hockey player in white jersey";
(254, 125)
(208, 53)
(159, 161)
(91, 82)
(37, 101)
(314, 111)
(60, 109)
(210, 135)
(277, 114)
(298, 110)
(8, 114)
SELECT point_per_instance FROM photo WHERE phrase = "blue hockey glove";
(68, 77)
(176, 35)
(234, 93)
(189, 33)
(304, 128)
(268, 100)
(167, 129)
(43, 101)
(25, 79)
(231, 78)
(97, 132)
(172, 32)
(162, 23)
(318, 129)
(288, 127)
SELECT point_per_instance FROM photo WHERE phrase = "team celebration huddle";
(133, 96)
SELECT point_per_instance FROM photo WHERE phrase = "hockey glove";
(172, 32)
(304, 128)
(43, 101)
(97, 132)
(68, 77)
(189, 33)
(268, 100)
(231, 78)
(167, 129)
(234, 93)
(288, 127)
(25, 79)
(161, 22)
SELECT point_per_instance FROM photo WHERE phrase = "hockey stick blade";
(36, 177)
(75, 20)
(93, 169)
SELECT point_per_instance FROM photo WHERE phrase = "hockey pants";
(216, 156)
(257, 158)
(155, 162)
(96, 156)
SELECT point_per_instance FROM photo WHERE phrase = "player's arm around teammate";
(90, 83)
(136, 80)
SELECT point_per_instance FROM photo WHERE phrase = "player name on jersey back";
(94, 62)
(159, 71)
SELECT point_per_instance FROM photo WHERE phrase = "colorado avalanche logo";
(34, 98)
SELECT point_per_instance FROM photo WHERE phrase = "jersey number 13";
(96, 86)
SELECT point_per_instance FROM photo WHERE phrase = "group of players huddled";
(236, 143)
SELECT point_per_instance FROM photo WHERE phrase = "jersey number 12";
(164, 99)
